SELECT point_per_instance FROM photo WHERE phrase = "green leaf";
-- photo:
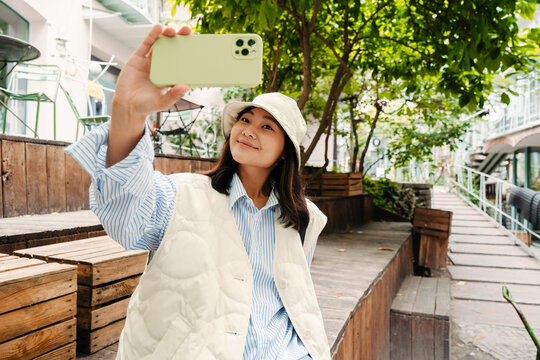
(464, 99)
(173, 10)
(505, 99)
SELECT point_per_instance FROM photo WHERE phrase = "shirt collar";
(237, 191)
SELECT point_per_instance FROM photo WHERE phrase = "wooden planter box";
(37, 309)
(107, 275)
(335, 184)
(433, 227)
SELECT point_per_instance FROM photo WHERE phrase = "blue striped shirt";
(135, 203)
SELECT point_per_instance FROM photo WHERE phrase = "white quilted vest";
(194, 299)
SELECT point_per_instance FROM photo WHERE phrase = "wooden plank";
(497, 275)
(66, 352)
(477, 231)
(438, 217)
(22, 321)
(36, 284)
(74, 184)
(474, 223)
(39, 342)
(405, 297)
(421, 224)
(481, 239)
(508, 250)
(74, 256)
(36, 179)
(93, 296)
(422, 338)
(56, 179)
(495, 261)
(89, 342)
(442, 302)
(14, 178)
(86, 182)
(400, 338)
(95, 318)
(477, 217)
(493, 313)
(347, 343)
(364, 327)
(10, 265)
(425, 297)
(56, 240)
(6, 257)
(46, 250)
(468, 290)
(113, 267)
(161, 165)
(441, 339)
(378, 326)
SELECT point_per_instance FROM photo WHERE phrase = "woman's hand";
(135, 97)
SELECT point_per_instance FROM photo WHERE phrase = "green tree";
(313, 46)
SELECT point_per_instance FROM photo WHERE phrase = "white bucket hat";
(283, 109)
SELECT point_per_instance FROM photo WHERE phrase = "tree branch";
(378, 106)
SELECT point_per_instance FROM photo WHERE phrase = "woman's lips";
(246, 144)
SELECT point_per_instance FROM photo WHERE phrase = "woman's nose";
(249, 132)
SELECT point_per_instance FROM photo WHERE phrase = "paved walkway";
(482, 258)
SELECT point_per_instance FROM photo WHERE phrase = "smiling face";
(257, 140)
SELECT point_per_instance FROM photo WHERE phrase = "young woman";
(230, 278)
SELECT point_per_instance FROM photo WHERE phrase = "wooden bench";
(37, 309)
(420, 319)
(107, 275)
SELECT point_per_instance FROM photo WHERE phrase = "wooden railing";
(37, 177)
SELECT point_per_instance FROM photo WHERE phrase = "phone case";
(220, 60)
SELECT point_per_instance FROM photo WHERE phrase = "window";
(13, 24)
(100, 103)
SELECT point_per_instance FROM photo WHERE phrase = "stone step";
(495, 261)
(496, 275)
(507, 250)
(469, 290)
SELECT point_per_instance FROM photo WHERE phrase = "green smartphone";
(209, 60)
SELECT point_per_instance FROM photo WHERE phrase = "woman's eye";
(267, 127)
(244, 119)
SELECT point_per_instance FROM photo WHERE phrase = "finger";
(177, 91)
(168, 31)
(172, 95)
(184, 30)
(147, 43)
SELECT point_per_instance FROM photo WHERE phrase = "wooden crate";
(432, 226)
(335, 184)
(420, 320)
(107, 275)
(38, 304)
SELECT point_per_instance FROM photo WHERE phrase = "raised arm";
(135, 97)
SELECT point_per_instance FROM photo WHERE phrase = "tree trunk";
(341, 79)
(368, 140)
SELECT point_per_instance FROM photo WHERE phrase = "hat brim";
(233, 108)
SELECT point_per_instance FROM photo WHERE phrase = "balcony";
(134, 12)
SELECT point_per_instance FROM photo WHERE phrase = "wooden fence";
(39, 178)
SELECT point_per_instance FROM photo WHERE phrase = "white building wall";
(49, 20)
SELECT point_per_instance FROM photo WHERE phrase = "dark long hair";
(288, 182)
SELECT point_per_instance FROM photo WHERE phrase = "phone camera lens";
(245, 52)
(239, 42)
(251, 42)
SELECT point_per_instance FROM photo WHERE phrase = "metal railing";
(488, 194)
